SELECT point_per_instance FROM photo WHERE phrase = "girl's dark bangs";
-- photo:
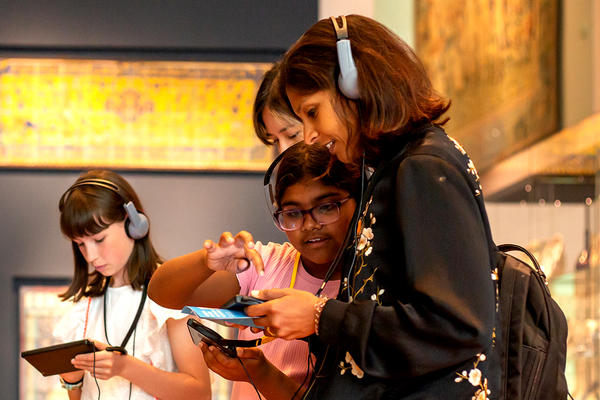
(82, 217)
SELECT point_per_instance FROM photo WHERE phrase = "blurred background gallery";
(162, 92)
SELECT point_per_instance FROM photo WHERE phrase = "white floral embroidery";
(481, 394)
(362, 243)
(472, 170)
(365, 241)
(375, 296)
(351, 365)
(470, 166)
(373, 219)
(458, 146)
(364, 213)
(495, 278)
(363, 275)
(495, 274)
(474, 378)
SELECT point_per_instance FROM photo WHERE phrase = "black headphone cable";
(309, 364)
(248, 375)
(94, 371)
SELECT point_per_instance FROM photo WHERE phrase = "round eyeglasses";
(322, 214)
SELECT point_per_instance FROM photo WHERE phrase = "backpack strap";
(536, 266)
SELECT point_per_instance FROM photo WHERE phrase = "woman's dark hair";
(267, 97)
(88, 210)
(302, 161)
(396, 93)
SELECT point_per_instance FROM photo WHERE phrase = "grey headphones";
(136, 225)
(348, 78)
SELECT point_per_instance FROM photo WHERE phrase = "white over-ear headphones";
(348, 79)
(136, 225)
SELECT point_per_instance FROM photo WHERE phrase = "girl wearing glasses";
(316, 201)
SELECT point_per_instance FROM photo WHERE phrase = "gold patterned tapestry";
(129, 114)
(497, 62)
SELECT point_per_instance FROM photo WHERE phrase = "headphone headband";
(340, 31)
(106, 184)
(98, 182)
(270, 180)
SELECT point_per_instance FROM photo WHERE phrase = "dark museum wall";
(184, 208)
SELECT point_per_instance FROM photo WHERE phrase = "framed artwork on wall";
(39, 308)
(497, 61)
(158, 115)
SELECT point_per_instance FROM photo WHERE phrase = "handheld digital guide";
(201, 333)
(56, 359)
(239, 302)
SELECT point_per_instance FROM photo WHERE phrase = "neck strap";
(295, 270)
(350, 233)
(121, 348)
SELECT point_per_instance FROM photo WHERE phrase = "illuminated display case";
(584, 337)
(548, 198)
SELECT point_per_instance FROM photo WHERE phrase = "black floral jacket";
(416, 314)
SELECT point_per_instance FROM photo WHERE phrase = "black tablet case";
(56, 359)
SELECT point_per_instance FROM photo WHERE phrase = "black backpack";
(533, 331)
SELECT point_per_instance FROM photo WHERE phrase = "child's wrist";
(125, 367)
(262, 370)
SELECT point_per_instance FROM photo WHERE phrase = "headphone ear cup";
(137, 224)
(348, 78)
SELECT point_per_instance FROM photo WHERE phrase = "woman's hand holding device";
(286, 313)
(233, 254)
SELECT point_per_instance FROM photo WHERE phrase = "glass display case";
(584, 311)
(548, 199)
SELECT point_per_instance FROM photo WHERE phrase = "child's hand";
(233, 254)
(103, 364)
(230, 368)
